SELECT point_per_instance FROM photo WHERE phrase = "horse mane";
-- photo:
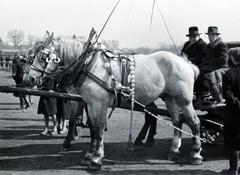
(69, 49)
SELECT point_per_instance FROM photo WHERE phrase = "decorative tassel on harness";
(131, 80)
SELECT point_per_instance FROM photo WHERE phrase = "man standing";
(195, 48)
(213, 66)
(18, 66)
(231, 92)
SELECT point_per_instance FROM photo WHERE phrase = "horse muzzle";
(31, 81)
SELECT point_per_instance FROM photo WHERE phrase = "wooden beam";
(35, 92)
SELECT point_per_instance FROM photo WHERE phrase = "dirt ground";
(23, 151)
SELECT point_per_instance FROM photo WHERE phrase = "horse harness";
(116, 87)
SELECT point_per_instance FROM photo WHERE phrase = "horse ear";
(47, 33)
(52, 35)
(74, 36)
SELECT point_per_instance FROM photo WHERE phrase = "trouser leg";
(233, 160)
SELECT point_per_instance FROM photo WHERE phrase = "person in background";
(18, 66)
(212, 67)
(195, 48)
(7, 59)
(231, 92)
(48, 107)
(63, 113)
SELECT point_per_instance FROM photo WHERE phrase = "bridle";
(45, 54)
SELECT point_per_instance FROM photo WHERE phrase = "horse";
(67, 48)
(158, 75)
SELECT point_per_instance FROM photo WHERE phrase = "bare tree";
(16, 37)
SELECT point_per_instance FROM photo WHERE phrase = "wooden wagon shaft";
(26, 91)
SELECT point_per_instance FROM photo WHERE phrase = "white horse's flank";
(160, 74)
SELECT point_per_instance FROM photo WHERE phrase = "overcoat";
(18, 67)
(196, 51)
(217, 56)
(46, 105)
(231, 92)
(63, 106)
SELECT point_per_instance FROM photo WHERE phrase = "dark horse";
(160, 74)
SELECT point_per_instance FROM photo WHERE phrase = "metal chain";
(160, 118)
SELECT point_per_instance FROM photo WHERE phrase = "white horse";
(158, 75)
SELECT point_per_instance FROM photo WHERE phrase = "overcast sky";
(130, 23)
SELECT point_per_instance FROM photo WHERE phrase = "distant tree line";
(16, 39)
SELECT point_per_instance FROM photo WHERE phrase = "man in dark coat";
(213, 66)
(18, 66)
(195, 48)
(231, 92)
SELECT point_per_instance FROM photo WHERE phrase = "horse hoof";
(66, 146)
(196, 161)
(131, 149)
(93, 166)
(76, 138)
(172, 156)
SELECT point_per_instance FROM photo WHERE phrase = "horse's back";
(165, 72)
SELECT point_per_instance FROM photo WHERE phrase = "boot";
(216, 92)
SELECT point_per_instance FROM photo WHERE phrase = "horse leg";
(97, 114)
(177, 121)
(72, 125)
(194, 123)
(92, 148)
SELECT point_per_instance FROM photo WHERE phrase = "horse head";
(46, 56)
(40, 55)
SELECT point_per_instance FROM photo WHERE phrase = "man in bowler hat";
(195, 48)
(213, 66)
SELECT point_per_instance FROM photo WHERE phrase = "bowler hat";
(212, 30)
(193, 31)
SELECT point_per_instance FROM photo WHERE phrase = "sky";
(130, 22)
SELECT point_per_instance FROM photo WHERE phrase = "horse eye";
(43, 57)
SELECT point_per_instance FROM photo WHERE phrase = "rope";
(107, 20)
(130, 11)
(165, 24)
(152, 15)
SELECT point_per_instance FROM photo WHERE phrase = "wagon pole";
(165, 24)
(36, 92)
(107, 20)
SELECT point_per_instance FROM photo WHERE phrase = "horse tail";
(195, 70)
